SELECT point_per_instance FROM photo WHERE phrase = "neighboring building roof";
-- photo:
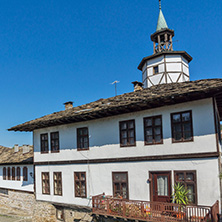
(161, 24)
(10, 157)
(183, 53)
(155, 96)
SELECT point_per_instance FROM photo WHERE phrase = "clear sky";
(53, 51)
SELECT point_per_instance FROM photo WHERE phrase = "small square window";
(155, 70)
(60, 213)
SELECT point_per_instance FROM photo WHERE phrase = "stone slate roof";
(9, 157)
(155, 96)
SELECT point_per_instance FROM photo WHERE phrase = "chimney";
(25, 148)
(16, 148)
(137, 86)
(68, 105)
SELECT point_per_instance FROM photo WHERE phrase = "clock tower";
(165, 65)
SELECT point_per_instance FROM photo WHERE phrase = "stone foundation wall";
(15, 202)
(44, 212)
(24, 204)
(71, 215)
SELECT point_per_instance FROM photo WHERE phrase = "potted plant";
(180, 197)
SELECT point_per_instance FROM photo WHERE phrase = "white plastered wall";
(99, 179)
(172, 68)
(104, 135)
(18, 184)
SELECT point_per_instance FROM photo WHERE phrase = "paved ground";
(12, 219)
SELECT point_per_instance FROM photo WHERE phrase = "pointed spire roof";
(161, 24)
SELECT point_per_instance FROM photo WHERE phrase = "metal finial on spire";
(160, 4)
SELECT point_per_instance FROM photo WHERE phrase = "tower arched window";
(13, 173)
(18, 175)
(4, 173)
(9, 174)
(25, 174)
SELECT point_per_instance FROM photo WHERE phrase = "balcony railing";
(152, 211)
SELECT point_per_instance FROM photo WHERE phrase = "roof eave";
(171, 100)
(183, 53)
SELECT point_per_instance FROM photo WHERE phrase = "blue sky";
(54, 51)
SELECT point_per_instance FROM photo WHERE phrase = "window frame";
(46, 193)
(4, 173)
(13, 173)
(25, 173)
(8, 173)
(153, 127)
(80, 181)
(80, 136)
(18, 175)
(194, 182)
(154, 72)
(181, 124)
(60, 209)
(54, 183)
(127, 183)
(41, 143)
(120, 135)
(53, 149)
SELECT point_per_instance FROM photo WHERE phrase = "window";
(57, 183)
(25, 174)
(188, 179)
(44, 143)
(3, 191)
(60, 213)
(55, 142)
(155, 70)
(127, 133)
(4, 173)
(182, 129)
(13, 173)
(45, 183)
(9, 174)
(82, 139)
(120, 185)
(153, 130)
(18, 173)
(80, 184)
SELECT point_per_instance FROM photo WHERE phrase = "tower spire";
(161, 24)
(162, 38)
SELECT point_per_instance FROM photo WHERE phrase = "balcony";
(107, 206)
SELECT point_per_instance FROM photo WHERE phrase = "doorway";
(160, 189)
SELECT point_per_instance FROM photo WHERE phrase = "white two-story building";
(136, 145)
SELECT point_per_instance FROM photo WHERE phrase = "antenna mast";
(115, 82)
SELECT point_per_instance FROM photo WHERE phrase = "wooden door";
(160, 186)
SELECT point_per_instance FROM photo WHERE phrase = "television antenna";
(115, 82)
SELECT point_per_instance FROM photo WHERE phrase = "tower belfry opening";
(162, 38)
